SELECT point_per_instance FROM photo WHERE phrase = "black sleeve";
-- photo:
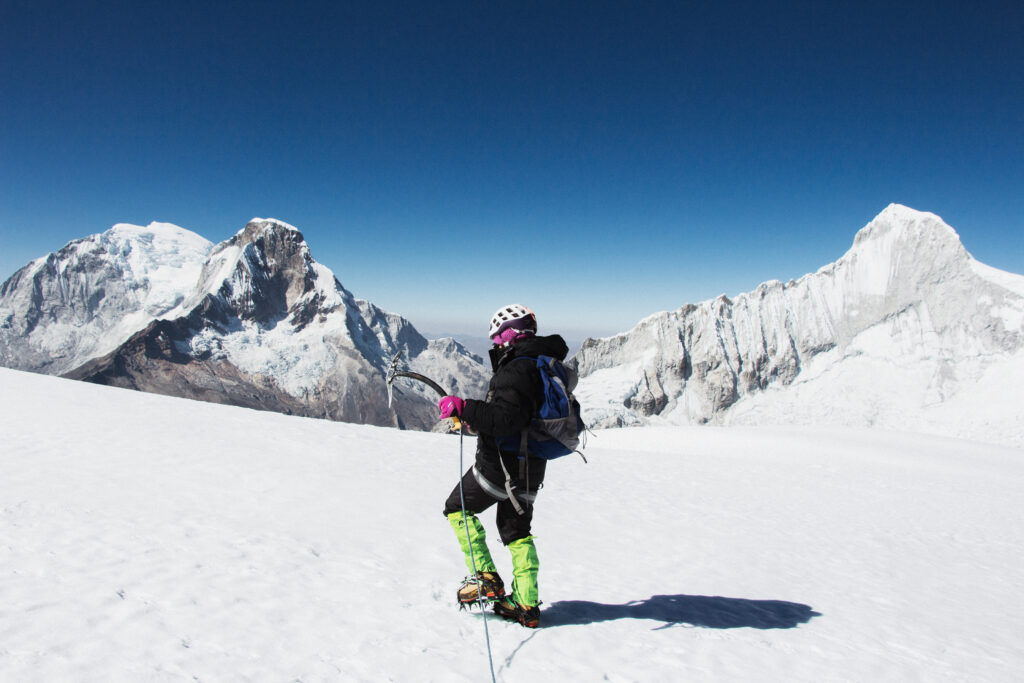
(511, 404)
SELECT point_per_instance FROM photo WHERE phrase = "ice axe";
(394, 373)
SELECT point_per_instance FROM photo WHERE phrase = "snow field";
(144, 538)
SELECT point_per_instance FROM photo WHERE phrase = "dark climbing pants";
(512, 526)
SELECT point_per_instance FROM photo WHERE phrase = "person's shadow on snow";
(690, 610)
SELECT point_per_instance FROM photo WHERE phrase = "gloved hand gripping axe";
(394, 373)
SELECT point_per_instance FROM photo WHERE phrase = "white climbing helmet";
(513, 315)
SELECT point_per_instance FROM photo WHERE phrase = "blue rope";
(472, 561)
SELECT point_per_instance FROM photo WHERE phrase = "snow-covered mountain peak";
(150, 238)
(139, 246)
(156, 248)
(265, 272)
(273, 222)
(157, 228)
(897, 220)
(261, 229)
(899, 233)
(900, 255)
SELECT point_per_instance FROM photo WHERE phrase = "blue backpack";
(556, 427)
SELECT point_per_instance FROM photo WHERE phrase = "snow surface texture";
(905, 331)
(187, 541)
(254, 321)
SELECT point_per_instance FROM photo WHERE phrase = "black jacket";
(513, 397)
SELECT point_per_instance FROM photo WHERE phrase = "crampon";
(513, 611)
(486, 584)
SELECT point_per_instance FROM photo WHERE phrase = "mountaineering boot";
(487, 584)
(523, 605)
(513, 611)
(483, 576)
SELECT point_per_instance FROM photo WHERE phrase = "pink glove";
(450, 405)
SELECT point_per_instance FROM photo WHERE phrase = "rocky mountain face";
(905, 321)
(253, 321)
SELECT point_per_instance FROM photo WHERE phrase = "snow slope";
(145, 538)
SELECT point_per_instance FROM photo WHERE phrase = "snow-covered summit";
(265, 271)
(897, 219)
(270, 223)
(906, 316)
(900, 248)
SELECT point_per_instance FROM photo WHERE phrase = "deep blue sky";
(598, 161)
